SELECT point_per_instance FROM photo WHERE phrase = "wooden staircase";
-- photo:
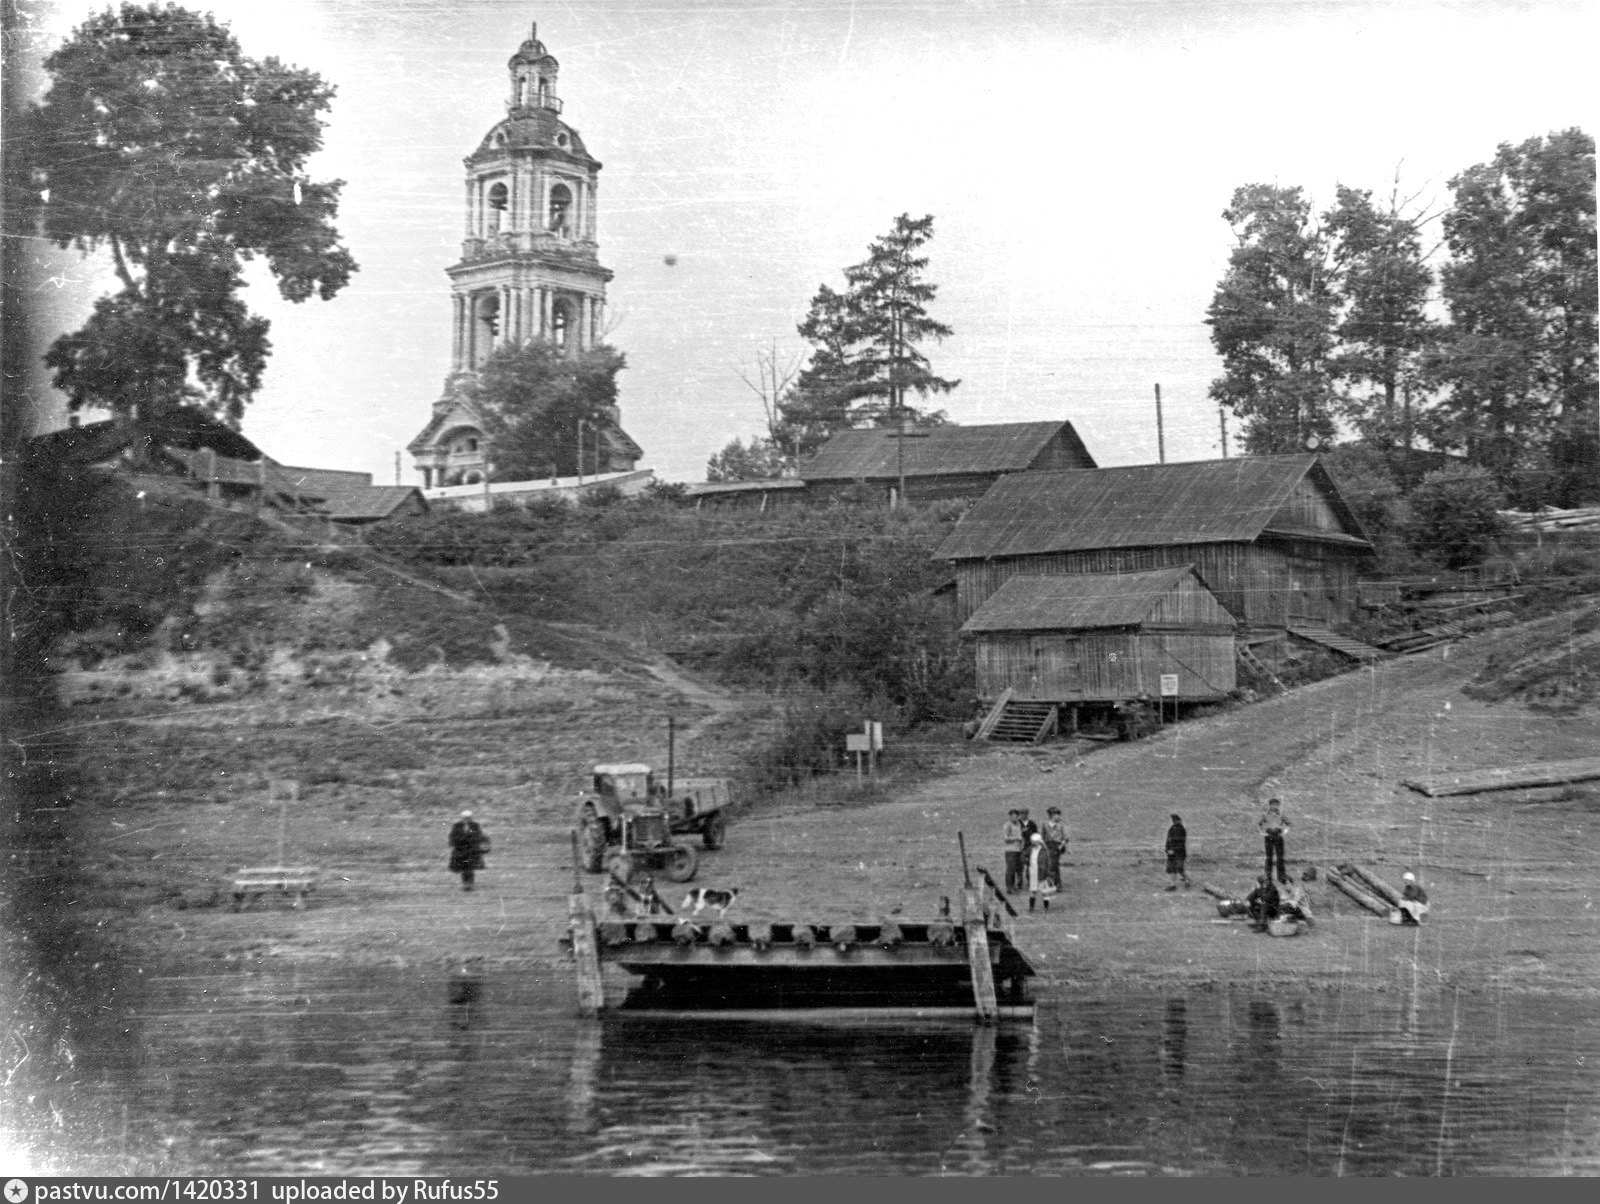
(1253, 666)
(1013, 721)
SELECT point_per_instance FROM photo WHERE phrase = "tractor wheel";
(591, 840)
(715, 833)
(683, 863)
(621, 866)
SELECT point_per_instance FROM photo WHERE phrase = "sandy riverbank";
(144, 871)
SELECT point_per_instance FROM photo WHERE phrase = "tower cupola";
(533, 76)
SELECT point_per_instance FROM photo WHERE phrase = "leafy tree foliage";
(866, 344)
(532, 397)
(159, 141)
(1518, 364)
(1454, 514)
(1272, 320)
(1383, 329)
(754, 461)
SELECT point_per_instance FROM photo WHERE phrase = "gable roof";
(873, 452)
(350, 503)
(1075, 600)
(1150, 505)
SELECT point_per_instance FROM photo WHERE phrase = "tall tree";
(1519, 357)
(533, 397)
(1383, 327)
(1272, 320)
(159, 141)
(867, 343)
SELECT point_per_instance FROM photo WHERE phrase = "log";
(1542, 773)
(1368, 900)
(972, 917)
(1221, 895)
(1377, 885)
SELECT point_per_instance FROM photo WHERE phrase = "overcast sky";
(1076, 157)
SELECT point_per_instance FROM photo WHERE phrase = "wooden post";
(972, 920)
(585, 944)
(1161, 434)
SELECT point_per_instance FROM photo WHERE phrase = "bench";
(255, 880)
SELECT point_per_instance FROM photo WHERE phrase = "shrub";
(1455, 515)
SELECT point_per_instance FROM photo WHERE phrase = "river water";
(346, 1071)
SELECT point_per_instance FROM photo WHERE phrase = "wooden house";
(1269, 536)
(1103, 637)
(940, 461)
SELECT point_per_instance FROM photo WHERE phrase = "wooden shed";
(941, 461)
(1269, 535)
(1098, 637)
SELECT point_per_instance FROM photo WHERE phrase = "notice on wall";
(1169, 685)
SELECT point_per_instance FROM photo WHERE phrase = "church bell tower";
(529, 267)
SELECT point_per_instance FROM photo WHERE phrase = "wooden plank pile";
(1510, 777)
(1364, 887)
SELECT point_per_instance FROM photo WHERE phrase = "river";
(387, 1071)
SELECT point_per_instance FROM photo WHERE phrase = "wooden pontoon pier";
(754, 969)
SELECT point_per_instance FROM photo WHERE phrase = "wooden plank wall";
(1262, 585)
(1103, 666)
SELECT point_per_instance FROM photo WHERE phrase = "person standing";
(1011, 837)
(1273, 825)
(1177, 852)
(1055, 843)
(1037, 872)
(467, 843)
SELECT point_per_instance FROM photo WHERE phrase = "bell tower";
(529, 267)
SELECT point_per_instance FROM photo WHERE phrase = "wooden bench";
(255, 880)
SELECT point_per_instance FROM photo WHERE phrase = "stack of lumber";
(1358, 890)
(1509, 777)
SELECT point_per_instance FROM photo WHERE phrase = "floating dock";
(782, 970)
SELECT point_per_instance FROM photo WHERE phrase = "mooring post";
(585, 944)
(977, 928)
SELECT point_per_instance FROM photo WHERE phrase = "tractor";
(627, 823)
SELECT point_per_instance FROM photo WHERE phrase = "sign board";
(875, 734)
(857, 742)
(1169, 685)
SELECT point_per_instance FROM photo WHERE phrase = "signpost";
(1169, 689)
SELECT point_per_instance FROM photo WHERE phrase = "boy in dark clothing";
(1011, 838)
(1177, 852)
(466, 848)
(1263, 903)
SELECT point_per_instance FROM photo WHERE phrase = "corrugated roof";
(873, 453)
(1150, 505)
(1074, 600)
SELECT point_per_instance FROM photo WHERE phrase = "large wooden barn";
(1269, 536)
(1103, 637)
(940, 461)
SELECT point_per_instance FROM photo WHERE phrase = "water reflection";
(354, 1071)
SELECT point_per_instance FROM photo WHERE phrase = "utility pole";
(1222, 420)
(1161, 435)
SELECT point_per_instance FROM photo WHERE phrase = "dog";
(702, 897)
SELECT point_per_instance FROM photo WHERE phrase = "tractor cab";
(625, 788)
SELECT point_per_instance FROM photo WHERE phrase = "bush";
(1455, 515)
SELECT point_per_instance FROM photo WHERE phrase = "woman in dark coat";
(467, 843)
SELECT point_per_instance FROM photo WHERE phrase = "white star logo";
(16, 1191)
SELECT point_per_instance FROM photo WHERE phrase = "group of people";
(1033, 854)
(1033, 864)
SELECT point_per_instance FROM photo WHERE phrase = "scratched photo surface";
(566, 715)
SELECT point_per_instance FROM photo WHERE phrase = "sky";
(1076, 157)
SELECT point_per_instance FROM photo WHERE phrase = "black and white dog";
(702, 897)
